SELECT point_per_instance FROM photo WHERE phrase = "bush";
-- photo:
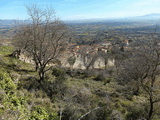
(77, 73)
(58, 72)
(108, 80)
(6, 82)
(29, 83)
(56, 85)
(71, 60)
(40, 113)
(100, 77)
(103, 114)
(135, 112)
(90, 73)
(11, 99)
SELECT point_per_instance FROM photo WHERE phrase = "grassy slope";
(74, 96)
(17, 103)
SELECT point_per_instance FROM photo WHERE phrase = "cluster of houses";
(74, 48)
(77, 51)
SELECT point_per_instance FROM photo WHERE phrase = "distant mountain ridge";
(6, 23)
(147, 17)
(10, 22)
(150, 16)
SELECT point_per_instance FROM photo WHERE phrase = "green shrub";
(100, 78)
(58, 72)
(135, 112)
(91, 73)
(28, 82)
(71, 60)
(103, 114)
(40, 113)
(11, 99)
(108, 80)
(6, 82)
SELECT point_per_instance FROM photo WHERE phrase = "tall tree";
(42, 37)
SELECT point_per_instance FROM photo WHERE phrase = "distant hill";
(6, 23)
(148, 17)
(154, 16)
(145, 19)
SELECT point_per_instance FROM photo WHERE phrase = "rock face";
(78, 64)
(100, 63)
(26, 58)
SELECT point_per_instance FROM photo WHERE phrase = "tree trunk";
(105, 66)
(151, 99)
(36, 66)
(150, 110)
(105, 62)
(41, 75)
(87, 67)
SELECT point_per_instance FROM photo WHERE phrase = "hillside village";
(77, 51)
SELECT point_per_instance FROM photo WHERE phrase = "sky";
(82, 9)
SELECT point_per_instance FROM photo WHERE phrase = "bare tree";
(143, 68)
(105, 56)
(42, 37)
(71, 60)
(88, 59)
